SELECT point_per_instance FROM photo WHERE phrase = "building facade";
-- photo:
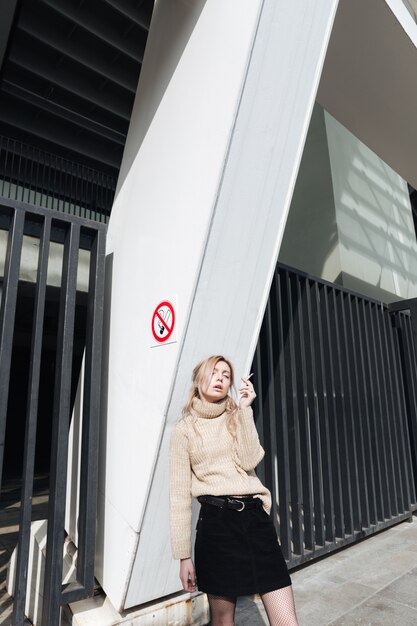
(260, 132)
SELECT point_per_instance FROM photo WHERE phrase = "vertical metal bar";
(407, 432)
(260, 417)
(411, 368)
(282, 431)
(329, 364)
(344, 442)
(100, 197)
(91, 408)
(374, 411)
(11, 170)
(53, 188)
(305, 429)
(324, 420)
(386, 416)
(270, 399)
(30, 433)
(108, 196)
(62, 184)
(103, 198)
(67, 200)
(58, 185)
(316, 451)
(41, 202)
(396, 415)
(377, 367)
(60, 425)
(4, 168)
(391, 415)
(76, 182)
(406, 385)
(403, 458)
(359, 409)
(36, 184)
(7, 316)
(294, 431)
(31, 182)
(83, 203)
(351, 412)
(364, 399)
(71, 208)
(19, 181)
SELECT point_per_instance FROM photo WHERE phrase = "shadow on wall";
(350, 220)
(310, 241)
(376, 234)
(159, 65)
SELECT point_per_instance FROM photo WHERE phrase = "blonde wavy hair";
(201, 379)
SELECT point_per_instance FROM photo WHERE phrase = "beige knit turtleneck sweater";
(206, 461)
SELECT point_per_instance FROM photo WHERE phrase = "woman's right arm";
(180, 505)
(187, 575)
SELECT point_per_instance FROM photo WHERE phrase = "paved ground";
(373, 583)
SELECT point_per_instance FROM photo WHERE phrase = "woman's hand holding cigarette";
(247, 392)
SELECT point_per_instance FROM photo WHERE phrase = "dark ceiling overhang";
(69, 75)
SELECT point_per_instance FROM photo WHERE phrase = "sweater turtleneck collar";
(208, 410)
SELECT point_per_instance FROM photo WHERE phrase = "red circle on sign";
(163, 318)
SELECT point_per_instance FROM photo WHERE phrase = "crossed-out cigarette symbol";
(163, 321)
(164, 324)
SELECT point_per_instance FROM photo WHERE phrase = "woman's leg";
(222, 610)
(279, 606)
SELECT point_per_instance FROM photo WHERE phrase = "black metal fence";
(39, 178)
(337, 413)
(74, 234)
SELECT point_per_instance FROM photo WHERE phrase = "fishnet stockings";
(280, 608)
(222, 610)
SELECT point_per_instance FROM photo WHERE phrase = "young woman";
(214, 451)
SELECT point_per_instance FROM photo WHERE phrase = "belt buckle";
(239, 502)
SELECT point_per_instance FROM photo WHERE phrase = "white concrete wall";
(182, 119)
(377, 240)
(216, 137)
(350, 219)
(310, 242)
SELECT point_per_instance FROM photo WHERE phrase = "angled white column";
(216, 136)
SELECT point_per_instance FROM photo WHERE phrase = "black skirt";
(237, 553)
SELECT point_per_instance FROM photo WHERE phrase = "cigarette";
(250, 375)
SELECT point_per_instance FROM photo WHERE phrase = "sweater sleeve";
(248, 449)
(180, 494)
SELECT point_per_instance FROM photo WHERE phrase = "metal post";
(7, 314)
(20, 582)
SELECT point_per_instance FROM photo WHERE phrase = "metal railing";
(75, 234)
(39, 178)
(334, 414)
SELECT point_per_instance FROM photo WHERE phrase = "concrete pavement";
(372, 583)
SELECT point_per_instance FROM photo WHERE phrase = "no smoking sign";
(163, 323)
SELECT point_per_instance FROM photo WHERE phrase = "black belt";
(227, 502)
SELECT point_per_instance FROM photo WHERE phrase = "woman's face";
(219, 383)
